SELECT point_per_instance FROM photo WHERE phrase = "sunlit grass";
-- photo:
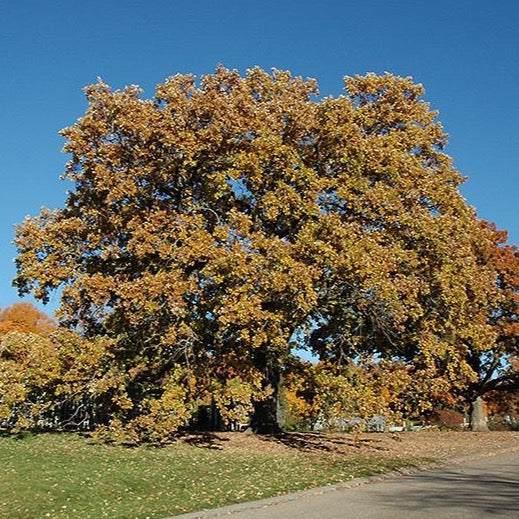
(67, 476)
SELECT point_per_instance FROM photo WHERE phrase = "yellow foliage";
(228, 219)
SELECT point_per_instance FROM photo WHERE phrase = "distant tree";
(504, 403)
(212, 228)
(347, 396)
(25, 317)
(496, 366)
(50, 380)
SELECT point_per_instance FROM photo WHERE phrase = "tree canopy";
(227, 220)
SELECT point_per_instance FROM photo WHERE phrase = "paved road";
(481, 489)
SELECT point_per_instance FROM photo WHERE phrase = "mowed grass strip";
(67, 476)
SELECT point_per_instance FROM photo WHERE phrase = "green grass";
(67, 476)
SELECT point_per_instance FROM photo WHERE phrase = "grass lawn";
(68, 476)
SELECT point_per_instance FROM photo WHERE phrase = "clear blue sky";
(466, 53)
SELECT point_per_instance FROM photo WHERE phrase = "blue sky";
(466, 53)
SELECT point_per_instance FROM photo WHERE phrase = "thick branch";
(504, 383)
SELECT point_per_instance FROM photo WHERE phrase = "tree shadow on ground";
(28, 433)
(205, 440)
(315, 442)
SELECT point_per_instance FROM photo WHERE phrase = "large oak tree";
(212, 228)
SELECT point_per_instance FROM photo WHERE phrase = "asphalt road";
(486, 488)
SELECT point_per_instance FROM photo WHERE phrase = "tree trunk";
(478, 420)
(267, 418)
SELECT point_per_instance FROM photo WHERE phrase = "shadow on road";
(488, 494)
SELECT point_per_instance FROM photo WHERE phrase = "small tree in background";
(26, 318)
(494, 367)
(50, 381)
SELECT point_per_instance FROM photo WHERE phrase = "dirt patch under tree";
(438, 445)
